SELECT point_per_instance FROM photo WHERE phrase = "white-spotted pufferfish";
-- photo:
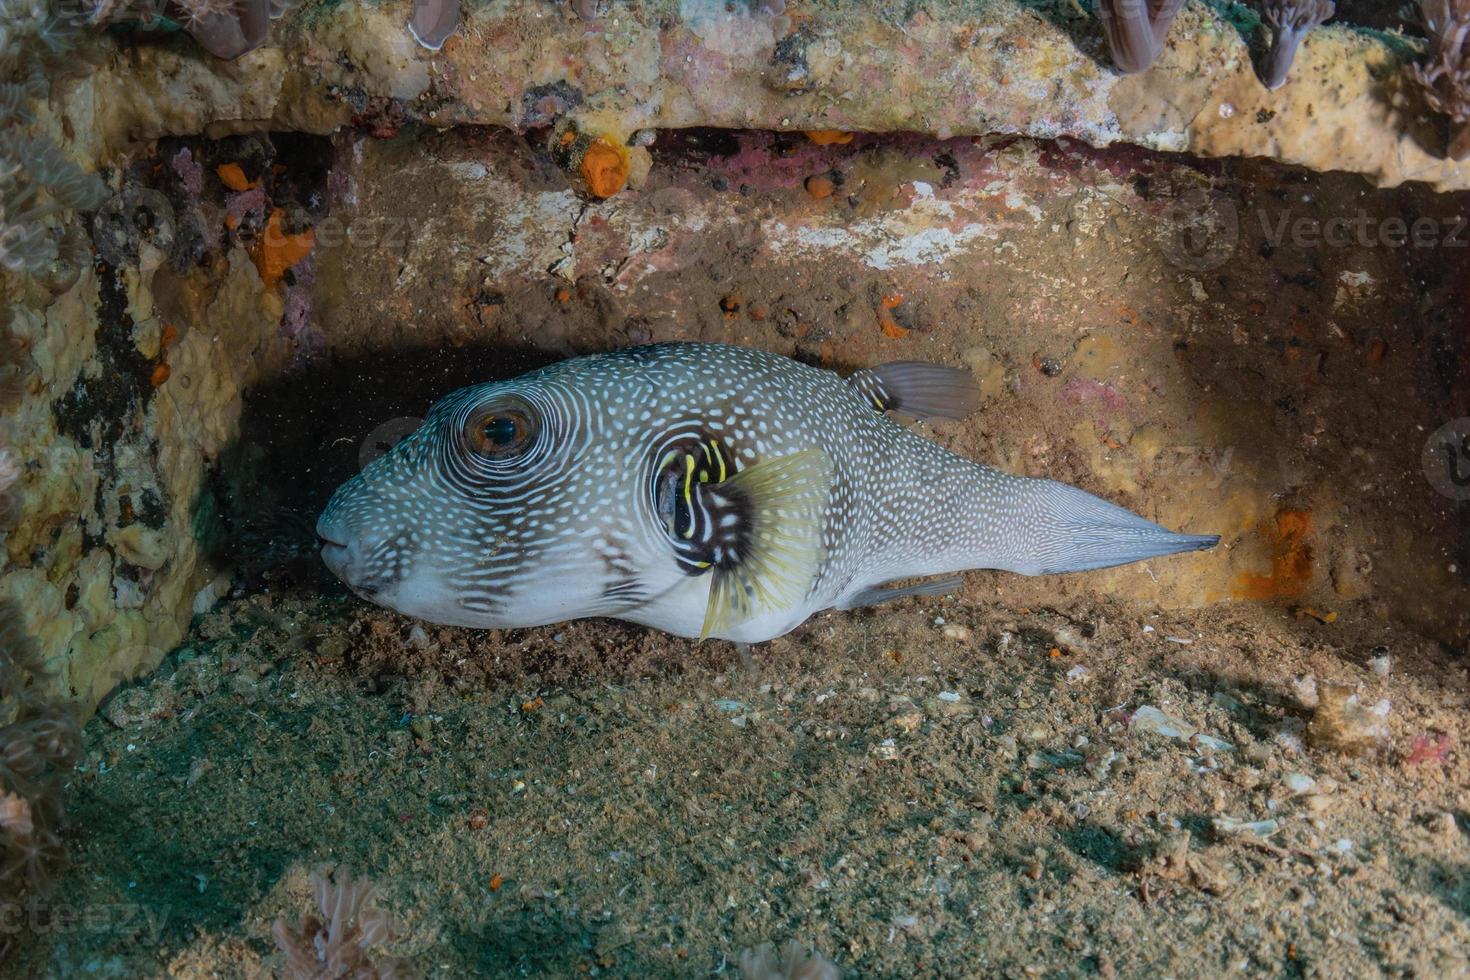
(702, 489)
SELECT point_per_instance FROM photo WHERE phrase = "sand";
(941, 788)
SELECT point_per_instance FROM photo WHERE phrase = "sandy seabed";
(933, 789)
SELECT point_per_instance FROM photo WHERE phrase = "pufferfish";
(702, 489)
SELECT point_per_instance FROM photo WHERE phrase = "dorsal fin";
(925, 391)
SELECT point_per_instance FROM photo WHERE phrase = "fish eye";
(498, 433)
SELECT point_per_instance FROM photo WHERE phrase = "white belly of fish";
(681, 611)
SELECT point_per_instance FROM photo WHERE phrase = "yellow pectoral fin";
(785, 503)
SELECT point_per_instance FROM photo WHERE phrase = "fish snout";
(341, 550)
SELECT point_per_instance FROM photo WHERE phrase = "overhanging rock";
(942, 67)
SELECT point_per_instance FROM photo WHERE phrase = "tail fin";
(1073, 531)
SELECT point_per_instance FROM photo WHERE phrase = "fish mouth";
(328, 541)
(334, 551)
(342, 561)
(334, 556)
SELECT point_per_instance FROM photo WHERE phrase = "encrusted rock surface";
(106, 560)
(938, 67)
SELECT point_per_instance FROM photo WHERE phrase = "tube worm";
(1291, 21)
(227, 30)
(1136, 30)
(433, 21)
(1445, 78)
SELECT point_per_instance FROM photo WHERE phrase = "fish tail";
(1069, 530)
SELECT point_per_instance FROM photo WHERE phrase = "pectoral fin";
(760, 530)
(880, 594)
(922, 390)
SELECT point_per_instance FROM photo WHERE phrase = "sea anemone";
(36, 30)
(1136, 30)
(14, 359)
(46, 166)
(36, 180)
(36, 183)
(9, 500)
(339, 942)
(39, 743)
(1290, 20)
(16, 96)
(197, 13)
(1342, 722)
(793, 962)
(1445, 78)
(12, 390)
